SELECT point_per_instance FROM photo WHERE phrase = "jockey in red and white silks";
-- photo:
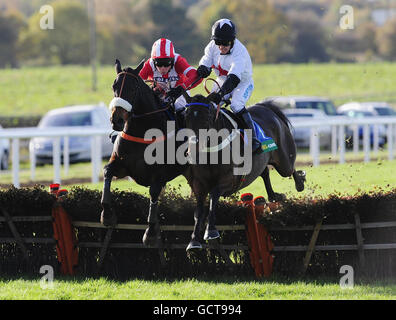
(170, 72)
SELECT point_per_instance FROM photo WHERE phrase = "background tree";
(67, 43)
(260, 27)
(386, 40)
(307, 39)
(172, 22)
(10, 26)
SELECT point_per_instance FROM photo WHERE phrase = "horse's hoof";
(194, 244)
(108, 219)
(151, 237)
(277, 197)
(211, 234)
(301, 178)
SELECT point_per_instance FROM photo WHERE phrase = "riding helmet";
(223, 30)
(163, 52)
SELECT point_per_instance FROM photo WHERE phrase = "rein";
(133, 115)
(229, 139)
(128, 137)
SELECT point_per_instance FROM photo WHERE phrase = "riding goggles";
(224, 43)
(162, 62)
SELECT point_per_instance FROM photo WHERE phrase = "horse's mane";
(131, 70)
(275, 109)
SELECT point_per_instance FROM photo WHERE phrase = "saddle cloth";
(267, 143)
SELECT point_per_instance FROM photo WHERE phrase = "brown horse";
(219, 179)
(135, 110)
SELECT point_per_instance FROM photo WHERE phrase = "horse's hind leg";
(272, 195)
(108, 217)
(211, 231)
(299, 179)
(152, 233)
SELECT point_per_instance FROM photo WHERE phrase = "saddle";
(267, 143)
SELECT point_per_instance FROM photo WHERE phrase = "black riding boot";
(247, 119)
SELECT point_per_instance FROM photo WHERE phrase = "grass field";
(194, 289)
(31, 91)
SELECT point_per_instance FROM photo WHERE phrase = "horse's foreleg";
(272, 195)
(152, 233)
(107, 217)
(299, 179)
(196, 237)
(211, 231)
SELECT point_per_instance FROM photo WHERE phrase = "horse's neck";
(148, 101)
(138, 126)
(222, 122)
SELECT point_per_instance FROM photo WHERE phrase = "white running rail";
(15, 134)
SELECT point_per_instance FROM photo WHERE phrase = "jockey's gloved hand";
(215, 97)
(204, 71)
(175, 93)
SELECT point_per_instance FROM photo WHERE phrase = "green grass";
(29, 91)
(190, 289)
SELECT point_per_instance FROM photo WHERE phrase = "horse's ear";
(140, 66)
(118, 66)
(187, 97)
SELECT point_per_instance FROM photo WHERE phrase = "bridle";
(126, 136)
(133, 115)
(208, 106)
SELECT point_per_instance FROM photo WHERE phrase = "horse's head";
(126, 88)
(200, 114)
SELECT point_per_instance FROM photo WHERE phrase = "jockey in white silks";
(233, 66)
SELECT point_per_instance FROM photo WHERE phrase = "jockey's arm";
(230, 84)
(189, 72)
(146, 71)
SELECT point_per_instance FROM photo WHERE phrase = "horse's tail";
(270, 104)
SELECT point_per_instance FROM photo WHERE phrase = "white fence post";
(32, 158)
(333, 140)
(375, 138)
(355, 138)
(389, 134)
(341, 142)
(366, 142)
(66, 159)
(56, 159)
(96, 156)
(315, 146)
(15, 162)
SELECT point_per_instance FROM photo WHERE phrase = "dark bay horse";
(135, 110)
(219, 179)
